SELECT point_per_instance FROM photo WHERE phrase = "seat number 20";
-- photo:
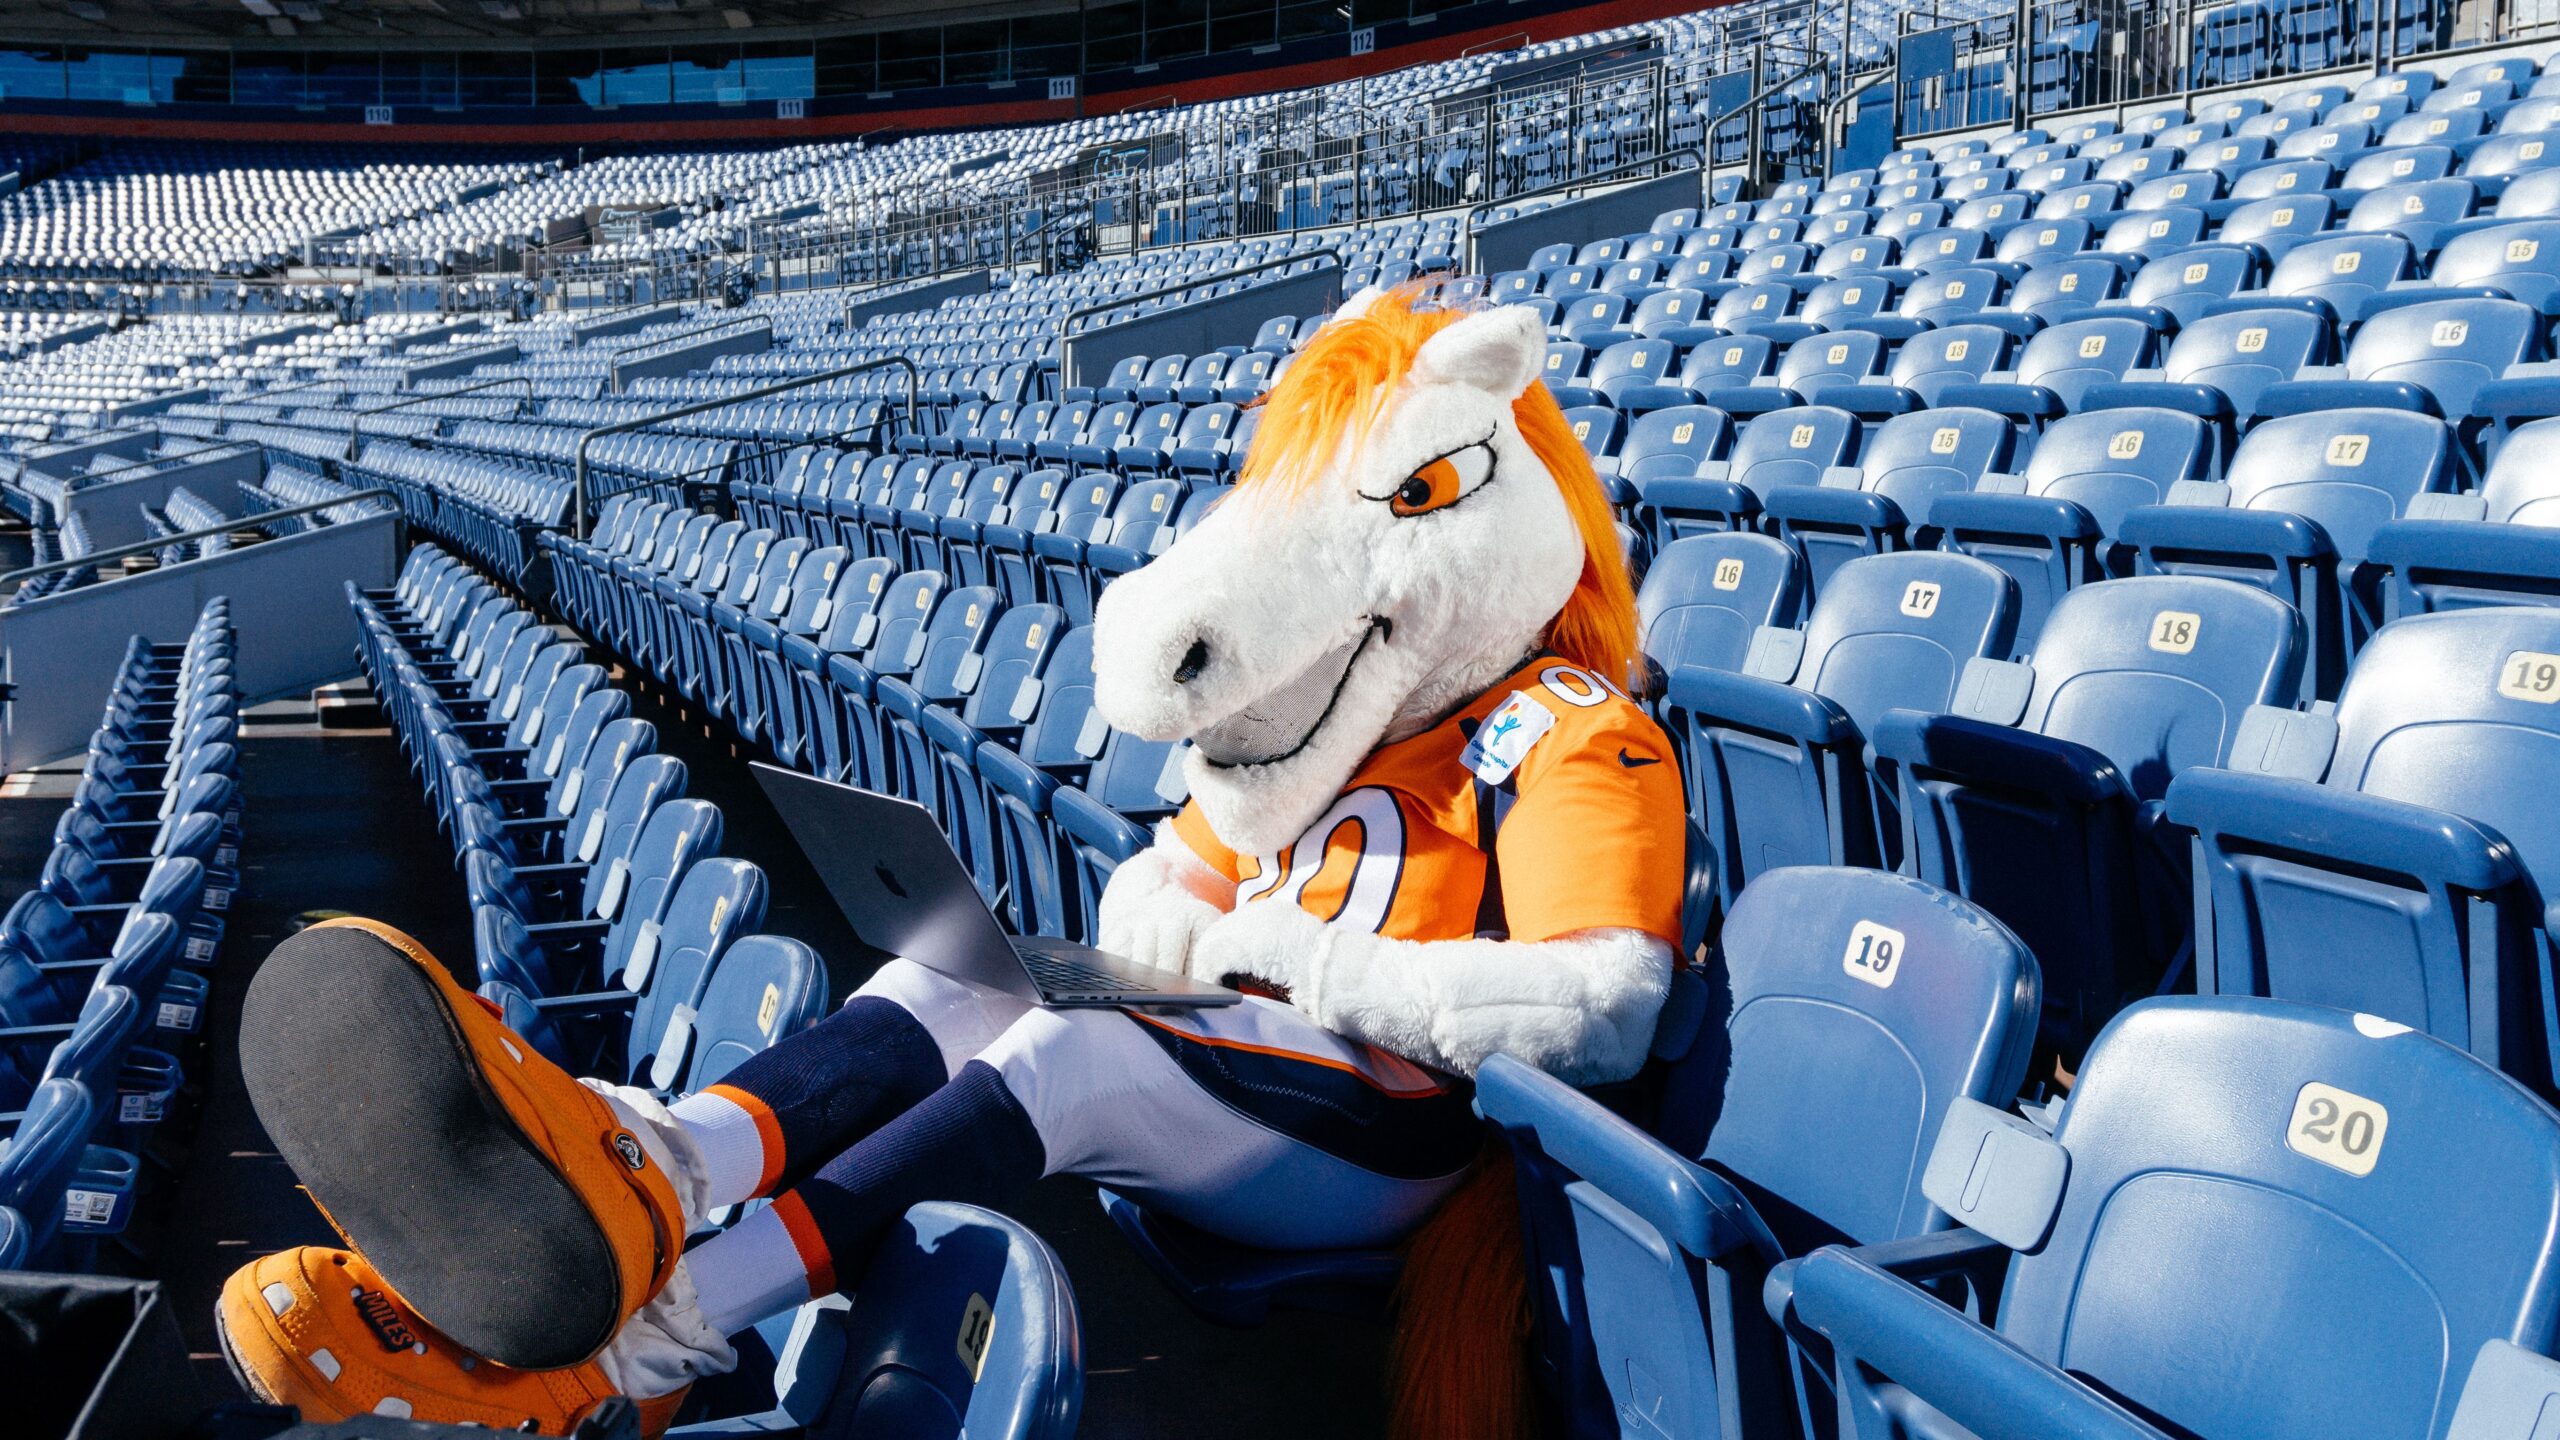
(2338, 1128)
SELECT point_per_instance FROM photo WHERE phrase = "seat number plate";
(2338, 1128)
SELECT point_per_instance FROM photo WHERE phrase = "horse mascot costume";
(1426, 825)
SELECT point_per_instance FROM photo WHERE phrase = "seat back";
(1705, 596)
(1949, 355)
(1864, 1005)
(2452, 711)
(606, 840)
(2523, 483)
(38, 1160)
(764, 988)
(1672, 440)
(2109, 461)
(2069, 358)
(2216, 1146)
(1913, 459)
(2155, 671)
(1059, 701)
(946, 1269)
(717, 901)
(2244, 352)
(2447, 348)
(635, 888)
(2350, 470)
(1894, 631)
(1792, 447)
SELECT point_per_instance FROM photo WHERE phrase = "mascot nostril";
(1194, 660)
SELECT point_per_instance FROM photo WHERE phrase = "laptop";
(903, 890)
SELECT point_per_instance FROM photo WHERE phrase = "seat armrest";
(1881, 1324)
(1978, 514)
(1997, 757)
(1690, 1206)
(2393, 836)
(1754, 704)
(2272, 535)
(591, 1002)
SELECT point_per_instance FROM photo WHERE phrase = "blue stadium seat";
(1774, 755)
(2296, 517)
(2405, 827)
(2038, 796)
(1864, 1008)
(2208, 1145)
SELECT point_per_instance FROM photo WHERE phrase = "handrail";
(1656, 162)
(163, 542)
(260, 395)
(1066, 327)
(617, 352)
(162, 459)
(890, 289)
(578, 500)
(355, 430)
(1504, 42)
(1701, 150)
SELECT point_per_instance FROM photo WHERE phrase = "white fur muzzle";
(1301, 625)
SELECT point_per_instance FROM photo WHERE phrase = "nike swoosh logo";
(1633, 761)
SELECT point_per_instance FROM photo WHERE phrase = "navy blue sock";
(837, 1081)
(970, 1141)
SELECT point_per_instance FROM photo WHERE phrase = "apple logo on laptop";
(890, 880)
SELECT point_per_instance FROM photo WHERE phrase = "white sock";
(731, 1145)
(748, 1272)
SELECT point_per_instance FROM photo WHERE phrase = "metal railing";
(87, 476)
(163, 542)
(2050, 57)
(578, 500)
(355, 430)
(1067, 328)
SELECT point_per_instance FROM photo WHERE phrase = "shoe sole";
(362, 1075)
(231, 1358)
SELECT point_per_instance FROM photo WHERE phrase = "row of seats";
(103, 965)
(890, 673)
(1830, 1219)
(612, 936)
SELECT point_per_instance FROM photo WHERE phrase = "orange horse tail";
(1458, 1369)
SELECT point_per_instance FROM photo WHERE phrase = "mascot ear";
(1496, 350)
(1355, 307)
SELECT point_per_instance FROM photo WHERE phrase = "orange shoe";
(318, 1330)
(503, 1200)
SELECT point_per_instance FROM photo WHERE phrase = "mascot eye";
(1442, 482)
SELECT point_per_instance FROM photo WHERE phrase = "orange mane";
(1332, 394)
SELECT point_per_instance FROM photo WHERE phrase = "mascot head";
(1415, 518)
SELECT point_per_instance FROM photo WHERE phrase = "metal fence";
(2084, 53)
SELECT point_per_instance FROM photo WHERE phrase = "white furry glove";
(1580, 1007)
(1159, 901)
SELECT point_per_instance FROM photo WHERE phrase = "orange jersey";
(1594, 834)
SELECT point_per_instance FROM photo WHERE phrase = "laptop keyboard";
(1069, 977)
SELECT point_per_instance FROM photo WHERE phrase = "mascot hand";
(1274, 942)
(1160, 901)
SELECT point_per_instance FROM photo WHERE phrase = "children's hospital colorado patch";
(1503, 740)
